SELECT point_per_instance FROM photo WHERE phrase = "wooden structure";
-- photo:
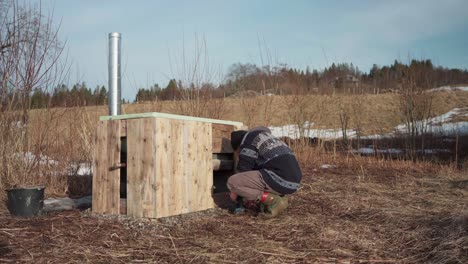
(168, 162)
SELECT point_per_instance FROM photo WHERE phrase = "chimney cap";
(115, 34)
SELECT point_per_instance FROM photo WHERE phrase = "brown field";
(66, 135)
(363, 211)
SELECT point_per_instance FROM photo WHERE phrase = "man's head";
(236, 138)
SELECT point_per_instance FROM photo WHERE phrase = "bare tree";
(30, 53)
(196, 77)
(416, 108)
(344, 115)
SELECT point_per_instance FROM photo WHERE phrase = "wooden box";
(168, 163)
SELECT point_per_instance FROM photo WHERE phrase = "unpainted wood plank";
(181, 176)
(106, 181)
(113, 176)
(99, 167)
(178, 196)
(170, 116)
(123, 128)
(192, 159)
(148, 181)
(134, 166)
(141, 168)
(221, 145)
(220, 130)
(164, 160)
(187, 139)
(206, 170)
(221, 138)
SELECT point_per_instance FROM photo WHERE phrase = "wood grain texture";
(106, 179)
(185, 173)
(221, 135)
(169, 166)
(141, 169)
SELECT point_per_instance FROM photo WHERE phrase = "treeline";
(250, 79)
(340, 78)
(63, 96)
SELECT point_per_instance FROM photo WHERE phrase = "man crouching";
(267, 170)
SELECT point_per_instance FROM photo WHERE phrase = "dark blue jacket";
(260, 150)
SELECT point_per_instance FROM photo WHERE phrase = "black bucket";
(25, 201)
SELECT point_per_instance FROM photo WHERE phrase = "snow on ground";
(449, 89)
(293, 132)
(29, 158)
(441, 125)
(80, 169)
(371, 151)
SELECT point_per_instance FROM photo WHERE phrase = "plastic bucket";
(25, 201)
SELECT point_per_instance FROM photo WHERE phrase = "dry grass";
(67, 135)
(377, 113)
(361, 211)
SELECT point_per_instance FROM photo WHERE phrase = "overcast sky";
(297, 33)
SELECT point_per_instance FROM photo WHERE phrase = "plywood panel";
(106, 177)
(170, 168)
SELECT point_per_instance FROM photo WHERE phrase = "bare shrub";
(344, 114)
(195, 86)
(416, 108)
(358, 112)
(29, 61)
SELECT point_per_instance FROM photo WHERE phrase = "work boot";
(273, 205)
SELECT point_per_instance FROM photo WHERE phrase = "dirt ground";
(370, 215)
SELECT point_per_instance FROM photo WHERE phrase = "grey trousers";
(249, 185)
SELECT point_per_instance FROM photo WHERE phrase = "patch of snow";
(449, 89)
(390, 151)
(440, 125)
(29, 157)
(293, 132)
(81, 169)
(365, 151)
(434, 151)
(372, 151)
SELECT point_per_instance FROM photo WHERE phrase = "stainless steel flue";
(115, 90)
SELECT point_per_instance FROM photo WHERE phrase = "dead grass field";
(378, 113)
(66, 135)
(363, 211)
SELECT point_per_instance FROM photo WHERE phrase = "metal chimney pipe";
(115, 89)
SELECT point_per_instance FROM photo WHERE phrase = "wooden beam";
(106, 177)
(171, 116)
